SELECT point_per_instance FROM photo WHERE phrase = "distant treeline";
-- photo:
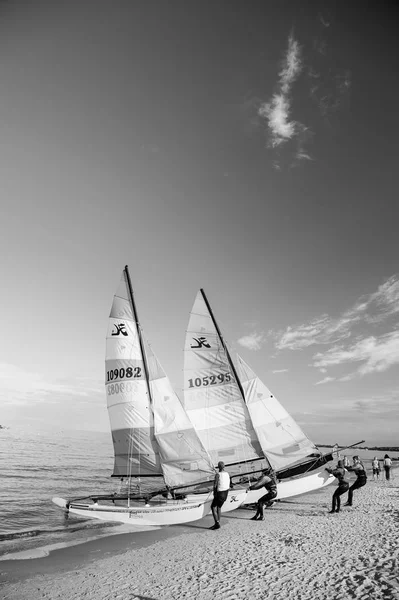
(380, 448)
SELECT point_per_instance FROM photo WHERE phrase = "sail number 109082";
(122, 373)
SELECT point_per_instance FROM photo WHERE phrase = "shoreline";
(60, 558)
(299, 550)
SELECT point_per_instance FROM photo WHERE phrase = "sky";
(246, 148)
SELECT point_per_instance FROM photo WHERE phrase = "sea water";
(36, 466)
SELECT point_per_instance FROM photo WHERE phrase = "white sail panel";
(184, 459)
(135, 447)
(282, 440)
(212, 397)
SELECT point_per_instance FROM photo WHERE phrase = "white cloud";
(377, 353)
(325, 380)
(253, 341)
(320, 330)
(280, 371)
(356, 336)
(373, 308)
(277, 110)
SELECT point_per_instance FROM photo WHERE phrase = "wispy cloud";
(325, 86)
(324, 20)
(325, 380)
(253, 341)
(280, 371)
(330, 90)
(277, 111)
(19, 386)
(353, 335)
(376, 353)
(321, 330)
(373, 308)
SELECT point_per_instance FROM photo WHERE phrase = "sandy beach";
(299, 551)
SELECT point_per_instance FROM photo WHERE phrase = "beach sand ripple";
(298, 552)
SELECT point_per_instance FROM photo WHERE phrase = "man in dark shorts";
(221, 488)
(361, 478)
(343, 485)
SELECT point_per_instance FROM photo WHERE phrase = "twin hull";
(173, 512)
(195, 507)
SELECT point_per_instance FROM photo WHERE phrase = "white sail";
(282, 440)
(212, 397)
(151, 432)
(132, 425)
(184, 459)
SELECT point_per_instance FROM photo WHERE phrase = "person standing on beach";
(343, 485)
(221, 488)
(387, 467)
(376, 468)
(361, 478)
(267, 480)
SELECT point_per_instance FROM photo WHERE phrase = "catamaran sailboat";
(152, 436)
(237, 418)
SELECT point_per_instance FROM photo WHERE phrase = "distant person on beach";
(343, 485)
(268, 480)
(221, 488)
(387, 467)
(361, 478)
(376, 468)
(346, 462)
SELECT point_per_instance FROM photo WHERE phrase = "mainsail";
(234, 413)
(212, 396)
(151, 432)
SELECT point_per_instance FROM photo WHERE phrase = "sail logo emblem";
(233, 499)
(119, 328)
(201, 343)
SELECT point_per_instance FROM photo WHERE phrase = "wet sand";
(298, 552)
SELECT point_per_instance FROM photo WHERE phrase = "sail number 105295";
(210, 380)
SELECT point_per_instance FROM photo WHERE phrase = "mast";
(136, 318)
(143, 354)
(232, 367)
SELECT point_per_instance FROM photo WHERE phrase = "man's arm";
(260, 483)
(334, 472)
(215, 483)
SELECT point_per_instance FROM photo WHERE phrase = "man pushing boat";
(221, 488)
(268, 479)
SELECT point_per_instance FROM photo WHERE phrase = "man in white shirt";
(221, 488)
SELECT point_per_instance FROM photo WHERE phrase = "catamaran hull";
(168, 514)
(234, 499)
(295, 487)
